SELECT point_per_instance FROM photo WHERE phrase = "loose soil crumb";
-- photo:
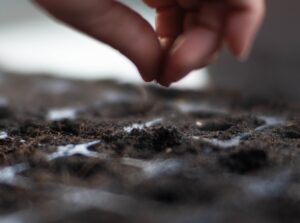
(79, 151)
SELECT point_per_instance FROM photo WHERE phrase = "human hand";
(193, 32)
(115, 24)
(200, 27)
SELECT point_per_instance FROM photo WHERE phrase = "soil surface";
(79, 151)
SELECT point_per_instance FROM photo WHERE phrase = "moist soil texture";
(102, 151)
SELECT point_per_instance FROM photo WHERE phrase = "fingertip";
(192, 51)
(239, 41)
(242, 26)
(165, 85)
(147, 76)
(239, 52)
(146, 79)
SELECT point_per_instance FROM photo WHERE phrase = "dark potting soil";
(79, 151)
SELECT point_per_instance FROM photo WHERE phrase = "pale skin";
(189, 33)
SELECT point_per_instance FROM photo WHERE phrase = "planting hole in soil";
(269, 122)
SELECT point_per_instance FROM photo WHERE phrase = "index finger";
(114, 24)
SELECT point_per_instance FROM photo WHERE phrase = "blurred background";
(33, 43)
(273, 68)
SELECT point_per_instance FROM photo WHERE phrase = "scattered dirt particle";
(290, 132)
(66, 127)
(156, 139)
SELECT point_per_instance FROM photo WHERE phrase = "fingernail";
(165, 85)
(166, 43)
(245, 53)
(214, 57)
(147, 79)
(162, 83)
(240, 53)
(243, 57)
(177, 44)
